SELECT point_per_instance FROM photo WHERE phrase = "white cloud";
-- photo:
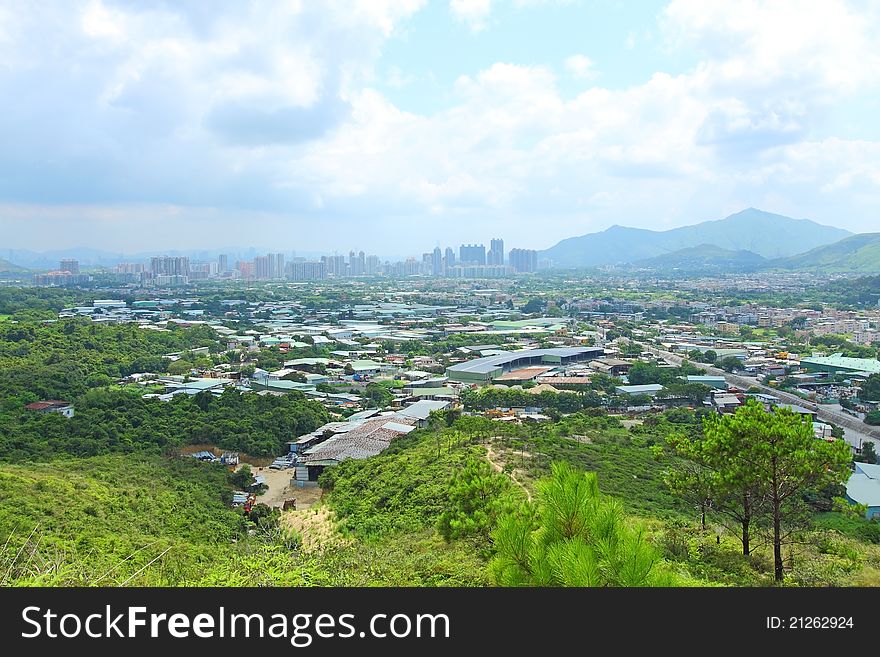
(268, 110)
(580, 66)
(473, 12)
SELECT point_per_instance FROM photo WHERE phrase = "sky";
(393, 126)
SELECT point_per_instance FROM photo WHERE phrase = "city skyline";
(297, 124)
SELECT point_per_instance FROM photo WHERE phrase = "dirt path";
(280, 489)
(492, 457)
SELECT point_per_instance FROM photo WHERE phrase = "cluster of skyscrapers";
(470, 261)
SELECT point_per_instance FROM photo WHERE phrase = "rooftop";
(422, 409)
(871, 365)
(487, 364)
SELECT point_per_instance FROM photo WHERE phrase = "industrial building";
(843, 364)
(483, 370)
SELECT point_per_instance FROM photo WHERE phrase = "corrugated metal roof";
(845, 362)
(863, 489)
(422, 409)
(487, 364)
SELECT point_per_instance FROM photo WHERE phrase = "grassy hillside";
(152, 521)
(856, 254)
(705, 256)
(100, 521)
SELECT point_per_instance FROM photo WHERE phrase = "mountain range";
(763, 233)
(750, 240)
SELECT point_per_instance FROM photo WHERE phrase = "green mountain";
(859, 254)
(704, 257)
(763, 233)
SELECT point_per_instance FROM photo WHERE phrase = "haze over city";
(393, 127)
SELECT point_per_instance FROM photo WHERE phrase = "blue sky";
(394, 125)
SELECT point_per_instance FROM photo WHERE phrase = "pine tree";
(573, 536)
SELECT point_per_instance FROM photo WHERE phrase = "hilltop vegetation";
(121, 421)
(64, 359)
(142, 519)
(702, 257)
(858, 254)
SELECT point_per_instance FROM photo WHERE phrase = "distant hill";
(704, 257)
(7, 267)
(763, 233)
(859, 254)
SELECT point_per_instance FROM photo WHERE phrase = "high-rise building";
(128, 268)
(245, 269)
(335, 265)
(436, 262)
(261, 267)
(223, 263)
(410, 267)
(202, 270)
(372, 264)
(276, 265)
(307, 271)
(427, 267)
(479, 271)
(169, 266)
(472, 254)
(70, 265)
(524, 260)
(496, 252)
(450, 257)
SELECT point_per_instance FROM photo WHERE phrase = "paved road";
(855, 431)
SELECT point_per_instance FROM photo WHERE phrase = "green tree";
(869, 453)
(870, 390)
(477, 497)
(730, 364)
(179, 367)
(762, 464)
(377, 395)
(243, 478)
(534, 305)
(573, 536)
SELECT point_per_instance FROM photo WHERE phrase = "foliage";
(757, 467)
(848, 524)
(119, 421)
(564, 402)
(103, 520)
(572, 536)
(869, 452)
(644, 373)
(406, 488)
(377, 396)
(730, 364)
(477, 496)
(55, 361)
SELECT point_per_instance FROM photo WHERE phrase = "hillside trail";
(491, 456)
